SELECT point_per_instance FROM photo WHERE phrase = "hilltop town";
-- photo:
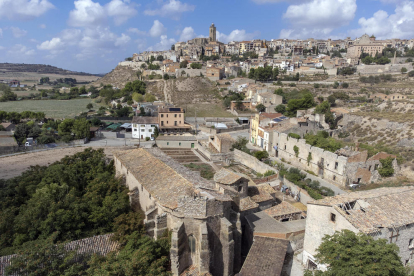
(247, 158)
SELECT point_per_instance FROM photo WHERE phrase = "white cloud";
(120, 10)
(141, 44)
(2, 48)
(71, 36)
(164, 44)
(157, 29)
(88, 13)
(236, 35)
(20, 49)
(54, 44)
(136, 31)
(17, 32)
(172, 9)
(122, 40)
(382, 25)
(42, 26)
(278, 1)
(187, 34)
(1, 32)
(23, 9)
(318, 18)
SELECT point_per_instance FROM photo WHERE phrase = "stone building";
(221, 143)
(345, 166)
(212, 33)
(384, 213)
(365, 44)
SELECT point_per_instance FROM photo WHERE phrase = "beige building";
(365, 44)
(171, 119)
(221, 143)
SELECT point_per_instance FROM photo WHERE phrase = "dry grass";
(52, 108)
(206, 110)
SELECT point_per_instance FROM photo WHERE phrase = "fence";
(34, 148)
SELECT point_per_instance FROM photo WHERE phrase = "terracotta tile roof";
(163, 177)
(144, 120)
(381, 155)
(247, 204)
(284, 208)
(258, 194)
(270, 115)
(266, 257)
(227, 177)
(369, 210)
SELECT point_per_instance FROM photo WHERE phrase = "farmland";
(52, 108)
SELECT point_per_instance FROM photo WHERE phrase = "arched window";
(192, 244)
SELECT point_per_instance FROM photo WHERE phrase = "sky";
(95, 35)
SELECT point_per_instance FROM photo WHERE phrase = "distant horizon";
(95, 35)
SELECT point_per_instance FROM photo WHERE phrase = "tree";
(345, 85)
(183, 64)
(8, 95)
(150, 98)
(166, 76)
(261, 155)
(331, 99)
(323, 107)
(89, 106)
(156, 132)
(82, 90)
(160, 58)
(65, 127)
(240, 144)
(281, 108)
(260, 108)
(81, 128)
(143, 66)
(387, 169)
(196, 65)
(404, 70)
(21, 133)
(136, 86)
(346, 253)
(138, 97)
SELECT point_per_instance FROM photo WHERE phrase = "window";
(142, 129)
(192, 244)
(333, 217)
(394, 238)
(135, 129)
(167, 115)
(162, 123)
(153, 126)
(168, 143)
(175, 123)
(180, 116)
(240, 188)
(179, 143)
(336, 165)
(175, 115)
(334, 177)
(149, 130)
(162, 115)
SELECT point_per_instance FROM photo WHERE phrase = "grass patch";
(206, 110)
(52, 108)
(206, 171)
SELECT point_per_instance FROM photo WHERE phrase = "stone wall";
(215, 157)
(383, 69)
(304, 196)
(252, 162)
(189, 72)
(326, 164)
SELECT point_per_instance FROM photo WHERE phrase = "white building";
(143, 127)
(384, 213)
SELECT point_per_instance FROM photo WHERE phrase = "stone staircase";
(183, 156)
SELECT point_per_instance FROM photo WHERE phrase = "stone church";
(203, 215)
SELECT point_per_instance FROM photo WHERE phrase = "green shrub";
(296, 150)
(387, 169)
(269, 173)
(294, 135)
(261, 155)
(147, 138)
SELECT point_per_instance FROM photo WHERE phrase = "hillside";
(118, 77)
(37, 68)
(177, 91)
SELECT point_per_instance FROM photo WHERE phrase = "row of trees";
(75, 198)
(266, 73)
(15, 117)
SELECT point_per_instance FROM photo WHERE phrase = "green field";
(52, 108)
(206, 110)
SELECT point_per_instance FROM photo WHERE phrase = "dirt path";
(13, 166)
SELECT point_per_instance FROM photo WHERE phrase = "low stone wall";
(383, 69)
(304, 196)
(215, 157)
(189, 72)
(214, 131)
(252, 162)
